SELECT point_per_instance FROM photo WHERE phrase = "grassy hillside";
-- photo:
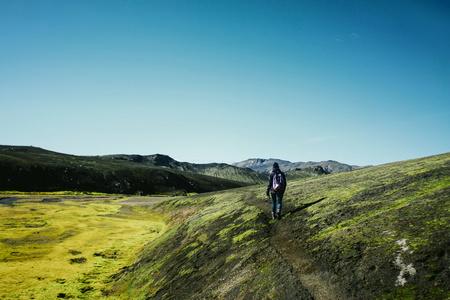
(375, 233)
(35, 169)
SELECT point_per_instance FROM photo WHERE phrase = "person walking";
(276, 187)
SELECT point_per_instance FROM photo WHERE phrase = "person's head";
(275, 166)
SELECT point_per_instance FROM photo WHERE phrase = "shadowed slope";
(35, 169)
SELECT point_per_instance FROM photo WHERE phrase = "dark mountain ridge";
(36, 169)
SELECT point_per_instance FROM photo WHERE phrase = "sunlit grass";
(68, 248)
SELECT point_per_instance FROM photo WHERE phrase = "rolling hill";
(374, 233)
(36, 169)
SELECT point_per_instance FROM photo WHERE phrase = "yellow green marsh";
(68, 246)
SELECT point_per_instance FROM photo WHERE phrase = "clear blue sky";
(360, 82)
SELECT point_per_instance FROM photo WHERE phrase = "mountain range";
(40, 170)
(34, 169)
(265, 165)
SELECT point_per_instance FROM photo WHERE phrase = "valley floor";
(68, 246)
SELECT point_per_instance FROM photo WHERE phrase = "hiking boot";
(273, 216)
(278, 215)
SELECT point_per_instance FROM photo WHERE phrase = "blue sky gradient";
(360, 82)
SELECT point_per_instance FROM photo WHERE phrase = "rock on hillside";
(377, 233)
(265, 165)
(305, 172)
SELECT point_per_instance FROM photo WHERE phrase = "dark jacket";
(270, 183)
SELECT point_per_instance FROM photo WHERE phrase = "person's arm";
(269, 184)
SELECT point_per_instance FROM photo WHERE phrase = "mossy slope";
(375, 233)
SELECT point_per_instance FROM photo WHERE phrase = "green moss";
(243, 235)
(231, 257)
(185, 271)
(227, 231)
(195, 251)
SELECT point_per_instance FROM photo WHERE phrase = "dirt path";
(320, 284)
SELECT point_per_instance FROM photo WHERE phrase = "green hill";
(35, 169)
(374, 233)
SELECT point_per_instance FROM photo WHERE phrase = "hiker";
(276, 187)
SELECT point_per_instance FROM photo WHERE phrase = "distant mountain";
(265, 165)
(36, 169)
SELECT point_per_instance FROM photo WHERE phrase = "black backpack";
(278, 182)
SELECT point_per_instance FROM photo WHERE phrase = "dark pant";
(277, 200)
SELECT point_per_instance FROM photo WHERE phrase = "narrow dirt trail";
(322, 285)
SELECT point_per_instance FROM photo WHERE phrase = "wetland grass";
(69, 247)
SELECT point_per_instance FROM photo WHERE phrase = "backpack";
(278, 183)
